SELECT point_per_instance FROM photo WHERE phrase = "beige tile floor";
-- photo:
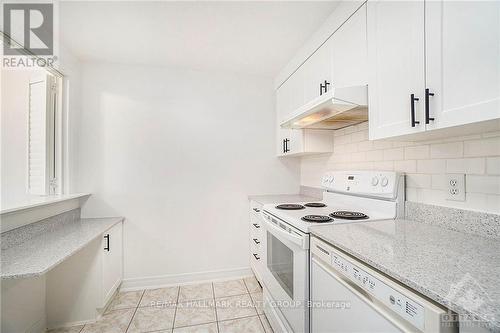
(220, 307)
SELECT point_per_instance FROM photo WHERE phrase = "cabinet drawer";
(255, 245)
(255, 225)
(256, 258)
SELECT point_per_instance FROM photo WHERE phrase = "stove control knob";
(384, 181)
(375, 181)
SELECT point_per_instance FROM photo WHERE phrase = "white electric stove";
(349, 197)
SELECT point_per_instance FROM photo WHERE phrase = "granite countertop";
(37, 255)
(281, 198)
(457, 270)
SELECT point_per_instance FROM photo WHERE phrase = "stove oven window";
(280, 263)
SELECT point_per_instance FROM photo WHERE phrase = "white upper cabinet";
(289, 97)
(317, 78)
(462, 61)
(395, 32)
(444, 53)
(349, 52)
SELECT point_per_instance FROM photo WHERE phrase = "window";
(43, 169)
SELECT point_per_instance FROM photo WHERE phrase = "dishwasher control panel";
(407, 308)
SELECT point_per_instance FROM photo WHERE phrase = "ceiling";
(254, 37)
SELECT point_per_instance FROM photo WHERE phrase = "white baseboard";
(151, 282)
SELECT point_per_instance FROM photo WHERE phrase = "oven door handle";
(298, 240)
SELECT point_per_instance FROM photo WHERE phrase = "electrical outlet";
(455, 184)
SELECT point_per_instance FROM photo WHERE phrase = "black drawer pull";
(427, 112)
(256, 225)
(256, 210)
(413, 99)
(107, 243)
(256, 241)
(256, 256)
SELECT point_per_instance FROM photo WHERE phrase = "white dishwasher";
(349, 296)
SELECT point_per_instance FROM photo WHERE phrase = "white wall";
(425, 163)
(177, 152)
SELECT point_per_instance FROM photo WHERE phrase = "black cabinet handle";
(427, 116)
(286, 145)
(413, 99)
(256, 210)
(256, 225)
(323, 87)
(256, 256)
(256, 241)
(107, 243)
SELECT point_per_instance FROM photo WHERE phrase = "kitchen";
(252, 167)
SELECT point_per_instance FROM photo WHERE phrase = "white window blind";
(41, 166)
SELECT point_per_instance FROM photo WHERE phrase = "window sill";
(37, 208)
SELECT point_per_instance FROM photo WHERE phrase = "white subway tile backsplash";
(383, 165)
(493, 165)
(342, 140)
(375, 155)
(394, 154)
(409, 166)
(359, 156)
(431, 166)
(425, 163)
(379, 144)
(341, 158)
(447, 150)
(483, 184)
(365, 145)
(359, 136)
(466, 165)
(482, 147)
(411, 194)
(493, 203)
(430, 196)
(439, 182)
(417, 152)
(418, 180)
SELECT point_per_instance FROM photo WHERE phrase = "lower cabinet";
(112, 259)
(256, 235)
(78, 289)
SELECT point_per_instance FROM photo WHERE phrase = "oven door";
(286, 272)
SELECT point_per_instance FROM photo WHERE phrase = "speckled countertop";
(460, 271)
(39, 254)
(281, 198)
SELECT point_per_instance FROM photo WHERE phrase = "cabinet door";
(396, 66)
(282, 134)
(317, 69)
(463, 61)
(290, 96)
(112, 261)
(349, 53)
(296, 141)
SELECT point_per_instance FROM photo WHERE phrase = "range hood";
(338, 108)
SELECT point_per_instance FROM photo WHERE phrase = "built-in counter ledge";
(35, 249)
(38, 208)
